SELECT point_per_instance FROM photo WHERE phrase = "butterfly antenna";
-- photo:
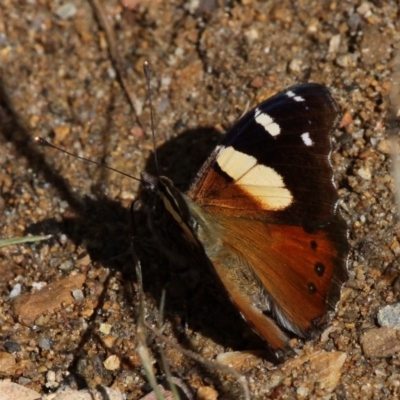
(147, 74)
(44, 142)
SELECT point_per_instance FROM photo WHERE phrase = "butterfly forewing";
(288, 139)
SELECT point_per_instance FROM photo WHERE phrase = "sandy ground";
(209, 65)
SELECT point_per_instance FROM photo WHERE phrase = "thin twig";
(394, 126)
(116, 56)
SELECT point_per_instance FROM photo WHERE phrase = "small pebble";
(364, 173)
(334, 44)
(206, 393)
(15, 291)
(390, 316)
(77, 294)
(365, 10)
(63, 239)
(295, 65)
(51, 379)
(380, 342)
(66, 11)
(12, 347)
(354, 22)
(66, 265)
(303, 391)
(44, 343)
(137, 132)
(241, 361)
(112, 363)
(112, 74)
(344, 61)
(105, 328)
(166, 81)
(257, 82)
(38, 285)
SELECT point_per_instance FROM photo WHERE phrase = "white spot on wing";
(306, 139)
(293, 96)
(262, 183)
(267, 122)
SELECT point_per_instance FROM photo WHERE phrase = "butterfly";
(262, 214)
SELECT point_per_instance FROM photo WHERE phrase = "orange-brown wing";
(300, 273)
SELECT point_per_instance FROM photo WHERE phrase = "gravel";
(209, 65)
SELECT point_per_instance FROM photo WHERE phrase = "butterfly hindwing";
(300, 274)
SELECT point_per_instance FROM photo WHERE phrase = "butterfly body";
(262, 213)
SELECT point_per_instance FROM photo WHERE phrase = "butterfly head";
(168, 212)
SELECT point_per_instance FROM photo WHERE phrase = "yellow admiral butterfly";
(262, 213)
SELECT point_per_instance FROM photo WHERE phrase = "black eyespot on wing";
(319, 268)
(311, 288)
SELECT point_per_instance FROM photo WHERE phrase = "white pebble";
(15, 291)
(77, 294)
(66, 11)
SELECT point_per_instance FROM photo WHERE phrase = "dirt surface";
(209, 64)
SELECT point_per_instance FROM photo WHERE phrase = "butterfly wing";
(269, 188)
(293, 274)
(277, 155)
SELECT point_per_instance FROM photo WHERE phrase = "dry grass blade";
(21, 240)
(164, 361)
(141, 348)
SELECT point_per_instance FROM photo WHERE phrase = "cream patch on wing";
(267, 122)
(259, 181)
